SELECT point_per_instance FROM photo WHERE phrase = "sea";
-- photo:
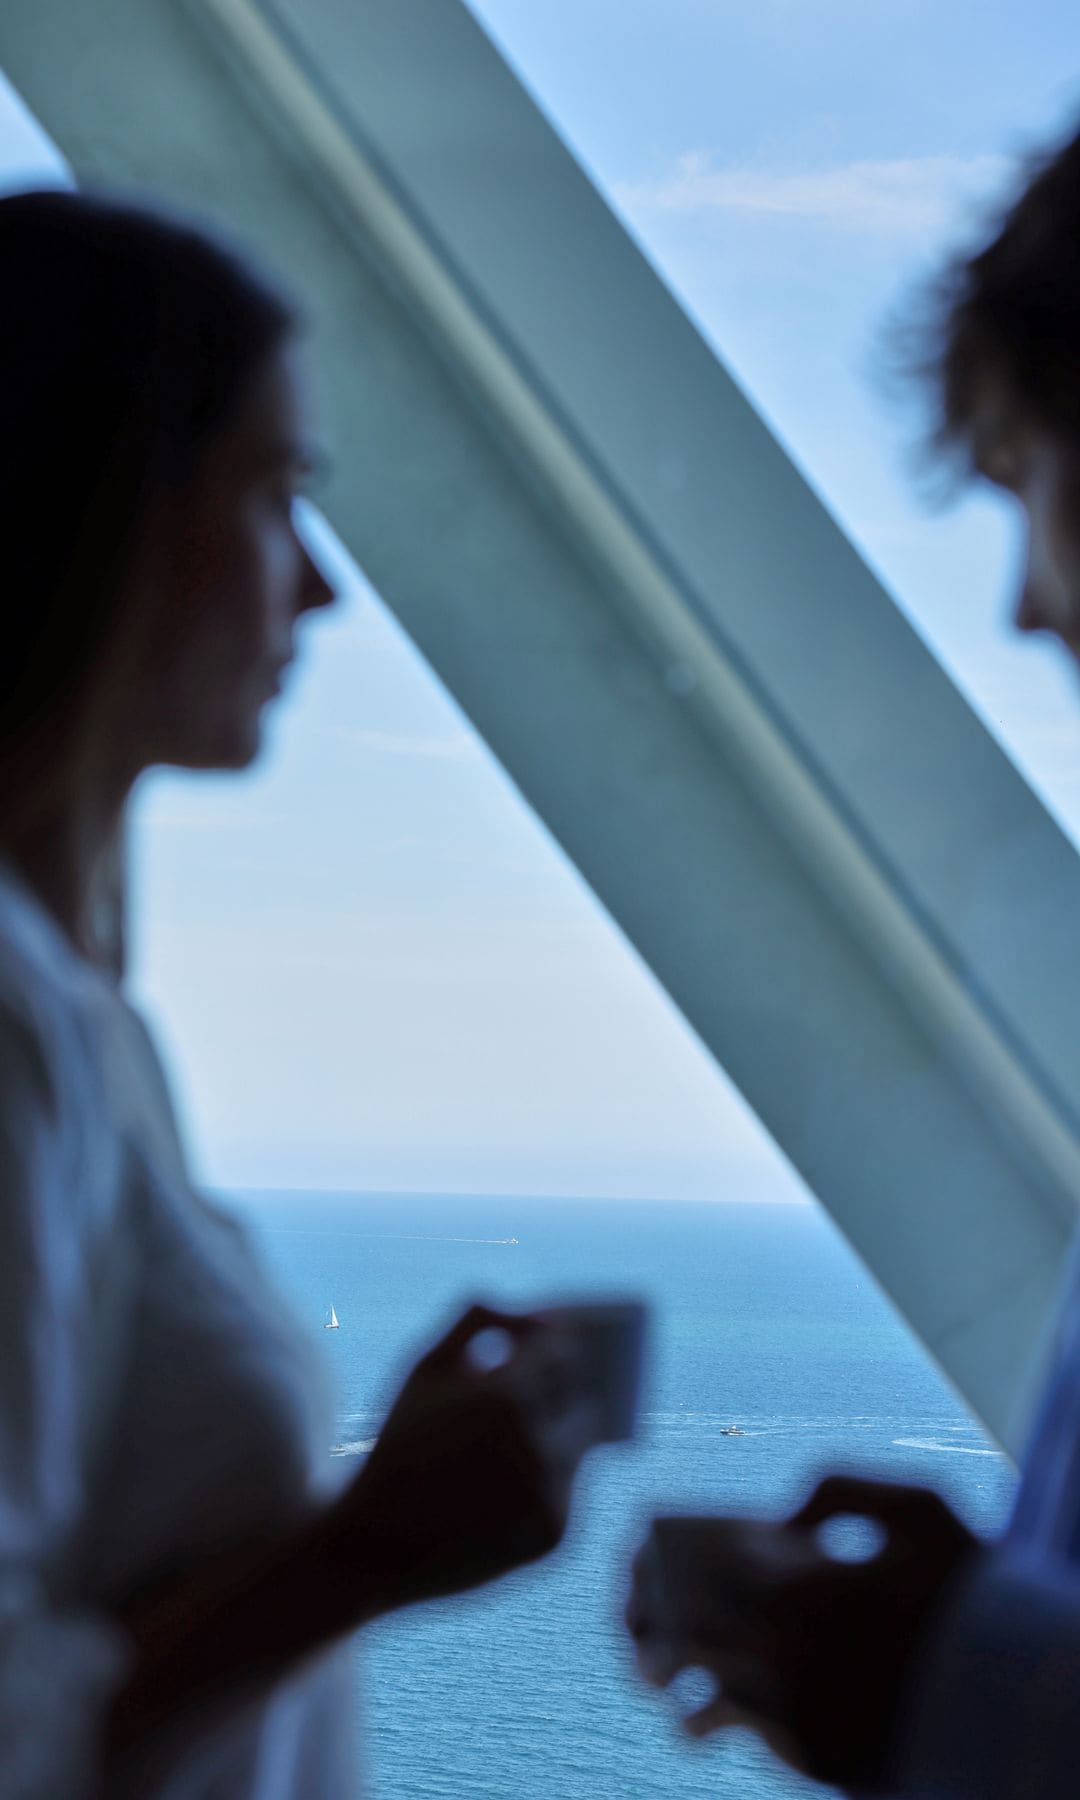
(760, 1316)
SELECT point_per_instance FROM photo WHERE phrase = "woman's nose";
(316, 589)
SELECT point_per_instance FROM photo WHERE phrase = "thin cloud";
(900, 196)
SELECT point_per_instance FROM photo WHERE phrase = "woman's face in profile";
(225, 581)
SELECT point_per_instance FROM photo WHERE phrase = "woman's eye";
(283, 497)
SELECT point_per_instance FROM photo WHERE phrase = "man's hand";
(810, 1652)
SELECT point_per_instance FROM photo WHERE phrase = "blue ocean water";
(762, 1318)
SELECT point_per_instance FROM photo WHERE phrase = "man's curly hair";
(1012, 310)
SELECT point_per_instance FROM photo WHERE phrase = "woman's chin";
(234, 748)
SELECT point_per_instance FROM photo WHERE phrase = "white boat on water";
(331, 1322)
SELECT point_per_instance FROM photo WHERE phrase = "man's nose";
(1030, 614)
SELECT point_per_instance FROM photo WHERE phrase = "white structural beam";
(676, 653)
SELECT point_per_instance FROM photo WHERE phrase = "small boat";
(331, 1322)
(732, 1431)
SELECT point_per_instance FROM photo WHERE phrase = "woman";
(175, 1568)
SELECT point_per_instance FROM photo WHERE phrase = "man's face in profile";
(1040, 466)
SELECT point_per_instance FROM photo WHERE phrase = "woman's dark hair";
(1013, 310)
(126, 338)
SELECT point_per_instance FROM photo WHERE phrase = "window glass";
(421, 1061)
(762, 1321)
(795, 173)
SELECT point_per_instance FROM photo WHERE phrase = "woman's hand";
(470, 1477)
(466, 1481)
(811, 1652)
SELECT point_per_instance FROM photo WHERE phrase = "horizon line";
(500, 1194)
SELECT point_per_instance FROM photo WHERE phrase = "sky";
(368, 965)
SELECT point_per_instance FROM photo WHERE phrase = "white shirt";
(157, 1406)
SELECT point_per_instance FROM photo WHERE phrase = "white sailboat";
(331, 1322)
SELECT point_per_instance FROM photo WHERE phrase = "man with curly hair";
(941, 1666)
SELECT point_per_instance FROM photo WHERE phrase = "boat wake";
(440, 1239)
(914, 1443)
(384, 1237)
(940, 1438)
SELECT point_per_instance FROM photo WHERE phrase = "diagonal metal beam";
(686, 667)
